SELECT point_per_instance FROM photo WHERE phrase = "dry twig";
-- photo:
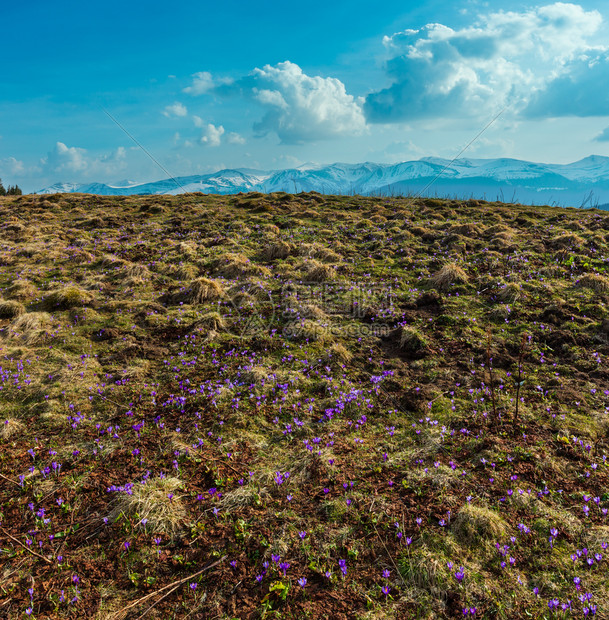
(173, 585)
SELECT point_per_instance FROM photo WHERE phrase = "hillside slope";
(302, 406)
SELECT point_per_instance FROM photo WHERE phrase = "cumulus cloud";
(11, 166)
(62, 157)
(298, 107)
(603, 136)
(75, 160)
(502, 59)
(235, 138)
(211, 135)
(579, 92)
(203, 82)
(301, 108)
(177, 109)
(115, 157)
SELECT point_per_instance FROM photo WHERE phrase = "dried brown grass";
(198, 291)
(449, 275)
(596, 282)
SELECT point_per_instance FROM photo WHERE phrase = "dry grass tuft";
(22, 290)
(67, 297)
(448, 276)
(232, 265)
(135, 270)
(138, 371)
(318, 272)
(240, 497)
(338, 353)
(311, 311)
(328, 255)
(185, 271)
(10, 427)
(468, 229)
(425, 571)
(10, 309)
(497, 229)
(502, 242)
(198, 292)
(280, 250)
(475, 524)
(319, 251)
(211, 321)
(569, 240)
(597, 535)
(271, 228)
(111, 260)
(155, 502)
(187, 250)
(31, 328)
(509, 293)
(596, 282)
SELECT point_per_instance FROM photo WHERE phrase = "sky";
(117, 91)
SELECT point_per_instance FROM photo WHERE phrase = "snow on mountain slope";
(590, 169)
(61, 188)
(549, 183)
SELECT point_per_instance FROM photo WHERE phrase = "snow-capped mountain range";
(583, 183)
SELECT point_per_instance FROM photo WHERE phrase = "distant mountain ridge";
(582, 183)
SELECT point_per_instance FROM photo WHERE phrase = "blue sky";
(205, 86)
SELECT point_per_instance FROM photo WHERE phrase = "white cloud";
(177, 109)
(398, 150)
(235, 138)
(287, 161)
(62, 157)
(270, 97)
(211, 135)
(12, 166)
(603, 136)
(302, 108)
(299, 108)
(203, 82)
(579, 91)
(503, 59)
(76, 161)
(116, 157)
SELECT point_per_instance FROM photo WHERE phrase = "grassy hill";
(279, 406)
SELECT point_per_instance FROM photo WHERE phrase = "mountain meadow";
(302, 406)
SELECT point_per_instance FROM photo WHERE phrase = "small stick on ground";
(157, 602)
(26, 547)
(177, 583)
(390, 556)
(10, 480)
